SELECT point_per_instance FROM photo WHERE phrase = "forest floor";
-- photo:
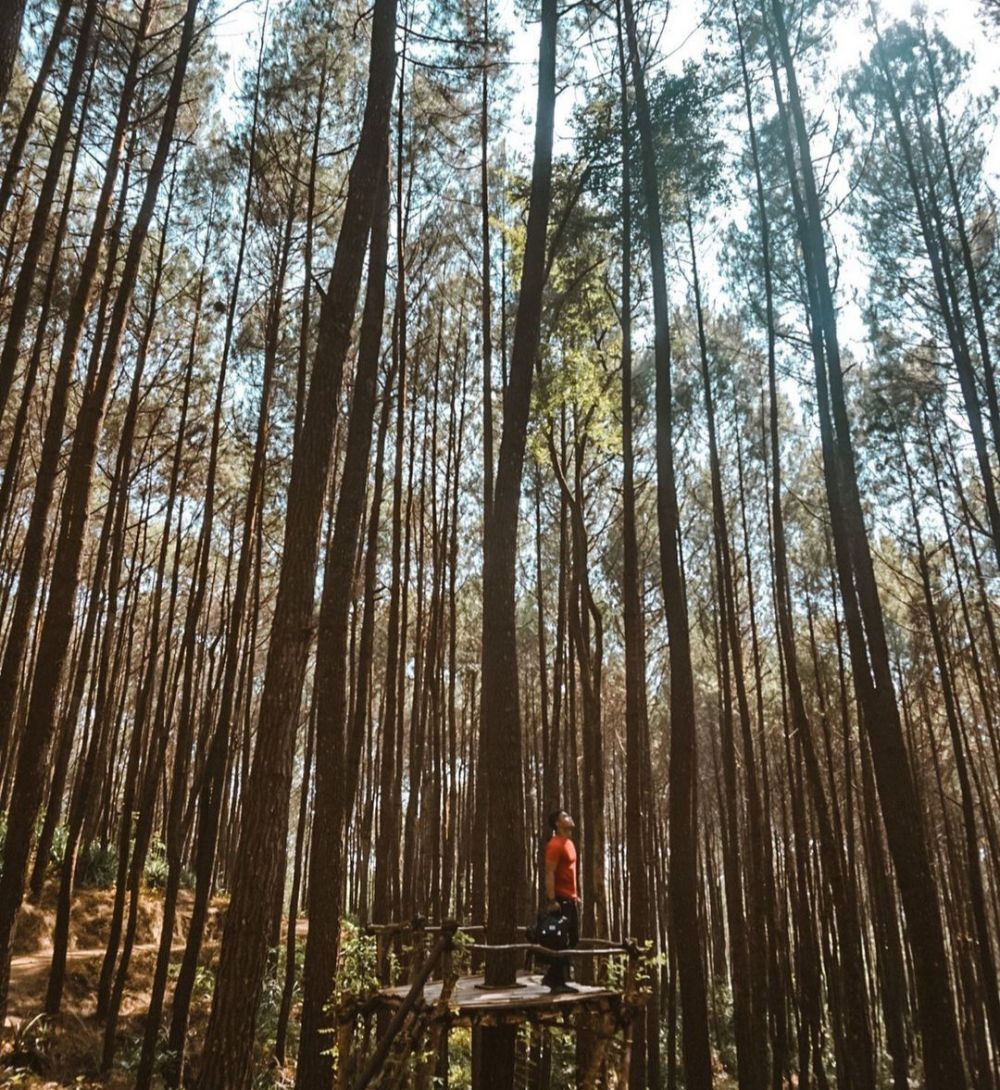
(66, 1051)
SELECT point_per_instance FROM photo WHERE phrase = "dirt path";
(28, 966)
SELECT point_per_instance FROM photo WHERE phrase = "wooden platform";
(529, 999)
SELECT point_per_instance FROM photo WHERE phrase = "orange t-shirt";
(561, 851)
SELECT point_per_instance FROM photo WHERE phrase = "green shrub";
(98, 867)
(267, 1074)
(157, 868)
(58, 850)
(357, 965)
(154, 873)
(460, 1058)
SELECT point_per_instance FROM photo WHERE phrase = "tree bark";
(683, 749)
(256, 880)
(11, 14)
(500, 710)
(58, 621)
(901, 811)
(333, 804)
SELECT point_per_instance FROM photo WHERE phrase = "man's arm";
(551, 862)
(550, 879)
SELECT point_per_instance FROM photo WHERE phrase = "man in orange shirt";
(561, 890)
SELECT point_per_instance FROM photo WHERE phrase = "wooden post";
(595, 1048)
(414, 995)
(418, 951)
(382, 944)
(345, 1036)
(630, 1008)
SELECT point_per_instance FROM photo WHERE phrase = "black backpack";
(552, 931)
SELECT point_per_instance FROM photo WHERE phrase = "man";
(561, 892)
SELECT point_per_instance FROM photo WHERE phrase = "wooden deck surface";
(529, 993)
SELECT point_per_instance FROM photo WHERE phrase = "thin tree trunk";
(255, 879)
(683, 750)
(333, 803)
(645, 1043)
(870, 657)
(30, 260)
(291, 941)
(11, 14)
(16, 150)
(501, 712)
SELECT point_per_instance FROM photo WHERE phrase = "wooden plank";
(528, 993)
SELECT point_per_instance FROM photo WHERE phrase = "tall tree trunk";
(58, 621)
(11, 14)
(645, 1044)
(30, 261)
(333, 804)
(900, 804)
(753, 1061)
(501, 711)
(683, 753)
(256, 879)
(386, 864)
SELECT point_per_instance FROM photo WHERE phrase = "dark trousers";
(559, 970)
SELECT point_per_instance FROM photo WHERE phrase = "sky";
(684, 37)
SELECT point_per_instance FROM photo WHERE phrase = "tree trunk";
(333, 805)
(30, 263)
(501, 712)
(256, 878)
(869, 651)
(11, 14)
(645, 1042)
(683, 752)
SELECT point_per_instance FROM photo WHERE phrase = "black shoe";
(562, 989)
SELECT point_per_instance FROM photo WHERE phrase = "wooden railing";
(414, 1016)
(441, 947)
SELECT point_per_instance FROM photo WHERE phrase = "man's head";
(561, 823)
